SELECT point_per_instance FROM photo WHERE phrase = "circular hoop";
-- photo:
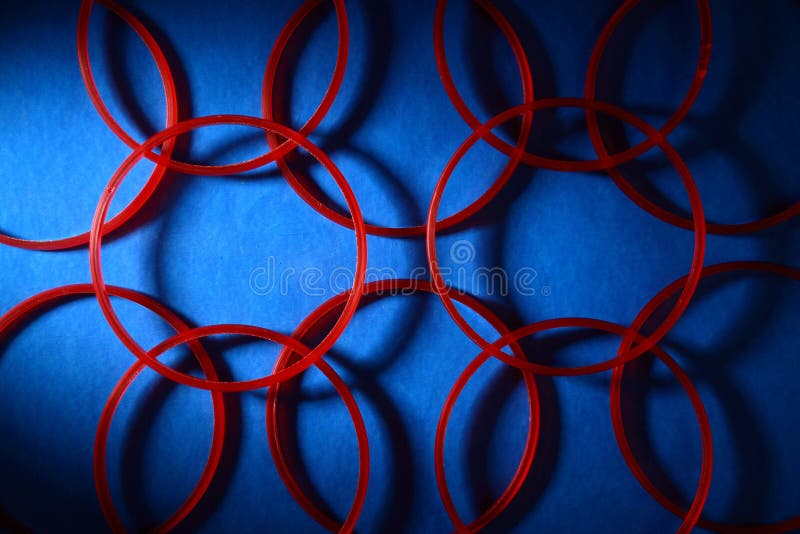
(113, 319)
(616, 405)
(409, 231)
(390, 288)
(686, 293)
(36, 303)
(172, 116)
(704, 484)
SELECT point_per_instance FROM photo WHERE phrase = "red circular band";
(47, 298)
(172, 116)
(704, 11)
(616, 407)
(697, 259)
(704, 483)
(410, 231)
(96, 242)
(383, 288)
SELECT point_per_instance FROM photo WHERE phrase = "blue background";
(391, 131)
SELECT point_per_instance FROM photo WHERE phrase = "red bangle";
(687, 291)
(704, 483)
(380, 289)
(111, 316)
(703, 60)
(410, 231)
(629, 190)
(164, 159)
(294, 346)
(42, 300)
(616, 408)
(172, 116)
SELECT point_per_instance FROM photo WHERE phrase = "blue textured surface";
(202, 241)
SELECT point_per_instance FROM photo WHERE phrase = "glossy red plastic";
(704, 483)
(697, 258)
(665, 294)
(96, 243)
(172, 116)
(704, 11)
(46, 299)
(295, 346)
(380, 289)
(269, 105)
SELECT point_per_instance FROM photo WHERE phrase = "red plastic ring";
(629, 190)
(172, 116)
(393, 287)
(410, 231)
(296, 346)
(95, 244)
(697, 259)
(704, 484)
(616, 408)
(46, 298)
(703, 60)
(287, 146)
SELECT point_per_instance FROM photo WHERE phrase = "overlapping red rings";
(381, 289)
(172, 116)
(47, 299)
(113, 319)
(296, 357)
(607, 162)
(704, 483)
(704, 11)
(269, 103)
(297, 347)
(616, 388)
(164, 158)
